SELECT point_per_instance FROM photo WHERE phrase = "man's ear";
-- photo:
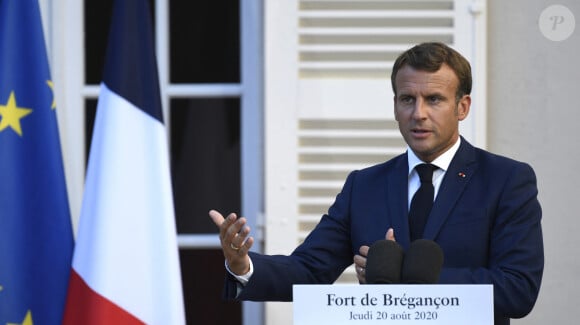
(395, 108)
(463, 107)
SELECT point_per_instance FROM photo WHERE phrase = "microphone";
(423, 262)
(384, 261)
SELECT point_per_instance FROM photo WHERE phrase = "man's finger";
(364, 250)
(239, 237)
(390, 235)
(217, 217)
(360, 261)
(245, 247)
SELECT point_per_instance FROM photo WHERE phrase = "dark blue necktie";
(422, 201)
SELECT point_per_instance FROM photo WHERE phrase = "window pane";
(205, 160)
(90, 114)
(202, 273)
(204, 41)
(97, 22)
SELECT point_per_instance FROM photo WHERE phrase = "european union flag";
(36, 240)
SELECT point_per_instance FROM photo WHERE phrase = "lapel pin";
(462, 175)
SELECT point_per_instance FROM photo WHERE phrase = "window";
(208, 60)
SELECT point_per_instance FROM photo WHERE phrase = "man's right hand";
(360, 260)
(234, 240)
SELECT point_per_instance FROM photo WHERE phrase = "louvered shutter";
(329, 103)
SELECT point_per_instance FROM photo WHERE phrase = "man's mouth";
(420, 133)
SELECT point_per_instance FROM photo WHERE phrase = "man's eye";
(434, 99)
(406, 99)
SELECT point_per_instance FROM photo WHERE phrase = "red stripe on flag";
(86, 306)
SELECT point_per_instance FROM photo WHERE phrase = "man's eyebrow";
(430, 94)
(435, 93)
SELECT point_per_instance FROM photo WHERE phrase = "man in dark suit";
(485, 215)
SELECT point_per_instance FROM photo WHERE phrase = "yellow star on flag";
(11, 115)
(27, 320)
(51, 85)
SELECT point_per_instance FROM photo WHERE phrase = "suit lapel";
(454, 182)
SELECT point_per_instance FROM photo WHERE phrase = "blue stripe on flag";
(135, 56)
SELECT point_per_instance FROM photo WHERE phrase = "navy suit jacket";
(486, 218)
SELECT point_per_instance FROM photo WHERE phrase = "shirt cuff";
(245, 278)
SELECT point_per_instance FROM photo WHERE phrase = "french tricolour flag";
(126, 265)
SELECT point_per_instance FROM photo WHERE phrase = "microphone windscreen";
(423, 262)
(384, 261)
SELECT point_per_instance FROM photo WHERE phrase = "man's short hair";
(430, 57)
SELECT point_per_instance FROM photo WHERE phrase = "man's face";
(427, 110)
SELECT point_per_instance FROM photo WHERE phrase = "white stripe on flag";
(127, 247)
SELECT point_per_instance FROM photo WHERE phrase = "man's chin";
(422, 150)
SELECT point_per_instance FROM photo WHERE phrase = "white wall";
(534, 115)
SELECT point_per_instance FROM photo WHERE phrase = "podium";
(393, 304)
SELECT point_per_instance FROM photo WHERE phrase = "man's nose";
(420, 109)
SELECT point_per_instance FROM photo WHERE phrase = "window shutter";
(329, 103)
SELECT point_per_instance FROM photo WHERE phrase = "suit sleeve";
(516, 254)
(323, 256)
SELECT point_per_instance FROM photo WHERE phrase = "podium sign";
(393, 304)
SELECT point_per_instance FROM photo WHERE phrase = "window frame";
(63, 25)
